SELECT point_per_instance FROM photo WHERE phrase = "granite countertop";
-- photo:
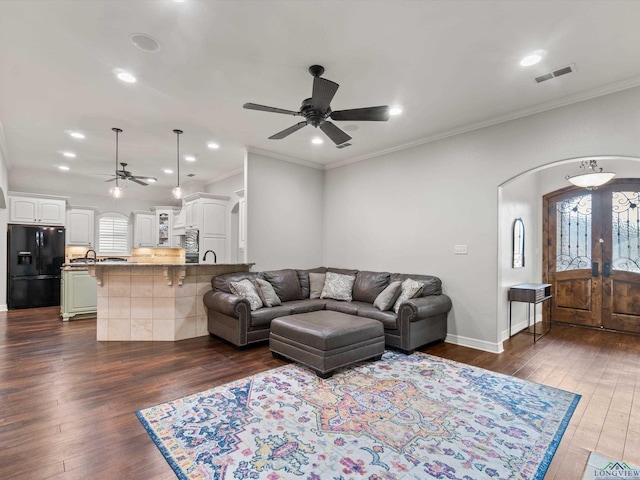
(140, 264)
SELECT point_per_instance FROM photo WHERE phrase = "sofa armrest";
(425, 307)
(226, 303)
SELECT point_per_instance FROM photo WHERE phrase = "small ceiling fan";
(126, 175)
(317, 110)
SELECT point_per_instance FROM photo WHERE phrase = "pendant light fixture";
(177, 192)
(116, 191)
(593, 176)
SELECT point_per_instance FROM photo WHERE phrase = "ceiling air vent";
(343, 145)
(555, 74)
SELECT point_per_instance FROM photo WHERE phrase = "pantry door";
(592, 255)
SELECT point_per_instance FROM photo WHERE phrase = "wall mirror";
(518, 243)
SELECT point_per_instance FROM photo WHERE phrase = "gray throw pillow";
(388, 296)
(267, 293)
(338, 286)
(316, 284)
(246, 289)
(410, 288)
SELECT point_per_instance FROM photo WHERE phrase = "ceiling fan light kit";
(593, 177)
(317, 111)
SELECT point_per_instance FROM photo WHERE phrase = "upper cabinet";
(37, 209)
(144, 232)
(209, 214)
(80, 226)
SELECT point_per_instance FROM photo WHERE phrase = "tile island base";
(154, 302)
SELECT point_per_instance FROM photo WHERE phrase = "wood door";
(592, 255)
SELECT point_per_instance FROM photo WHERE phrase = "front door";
(592, 255)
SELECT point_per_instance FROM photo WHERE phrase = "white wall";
(4, 215)
(405, 211)
(284, 214)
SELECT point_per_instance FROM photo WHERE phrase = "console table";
(531, 293)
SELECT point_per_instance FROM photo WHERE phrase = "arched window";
(113, 234)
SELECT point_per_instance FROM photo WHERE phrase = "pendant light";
(177, 192)
(116, 191)
(593, 176)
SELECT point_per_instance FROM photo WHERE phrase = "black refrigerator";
(35, 255)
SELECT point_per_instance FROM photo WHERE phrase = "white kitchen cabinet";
(144, 231)
(80, 227)
(78, 295)
(37, 210)
(209, 214)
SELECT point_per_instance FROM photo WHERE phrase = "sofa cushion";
(343, 271)
(338, 286)
(220, 283)
(351, 308)
(410, 289)
(262, 318)
(388, 318)
(368, 285)
(432, 285)
(305, 306)
(285, 283)
(303, 278)
(387, 298)
(267, 293)
(316, 284)
(246, 289)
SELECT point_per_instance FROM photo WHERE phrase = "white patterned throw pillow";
(338, 286)
(267, 294)
(410, 288)
(246, 289)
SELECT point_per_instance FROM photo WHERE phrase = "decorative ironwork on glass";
(625, 231)
(573, 233)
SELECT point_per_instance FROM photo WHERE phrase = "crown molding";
(614, 87)
(286, 158)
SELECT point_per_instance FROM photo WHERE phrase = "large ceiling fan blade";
(111, 180)
(323, 92)
(288, 131)
(334, 133)
(264, 108)
(139, 182)
(372, 114)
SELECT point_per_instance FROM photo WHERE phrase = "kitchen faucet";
(86, 255)
(215, 258)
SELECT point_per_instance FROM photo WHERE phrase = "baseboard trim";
(475, 343)
(4, 308)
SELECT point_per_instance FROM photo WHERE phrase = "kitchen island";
(151, 301)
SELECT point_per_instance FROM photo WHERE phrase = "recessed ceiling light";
(145, 42)
(77, 135)
(168, 171)
(69, 154)
(126, 77)
(532, 58)
(395, 110)
(213, 145)
(179, 1)
(63, 167)
(317, 141)
(151, 180)
(190, 158)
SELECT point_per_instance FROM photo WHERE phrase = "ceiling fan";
(317, 110)
(126, 175)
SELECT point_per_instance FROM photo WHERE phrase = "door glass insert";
(573, 233)
(625, 226)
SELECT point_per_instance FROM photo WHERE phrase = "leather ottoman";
(326, 340)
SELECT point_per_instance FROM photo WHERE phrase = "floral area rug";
(405, 416)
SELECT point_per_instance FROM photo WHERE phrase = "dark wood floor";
(67, 402)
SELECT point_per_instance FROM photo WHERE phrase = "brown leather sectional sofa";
(419, 320)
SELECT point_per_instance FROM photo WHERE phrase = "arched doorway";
(591, 254)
